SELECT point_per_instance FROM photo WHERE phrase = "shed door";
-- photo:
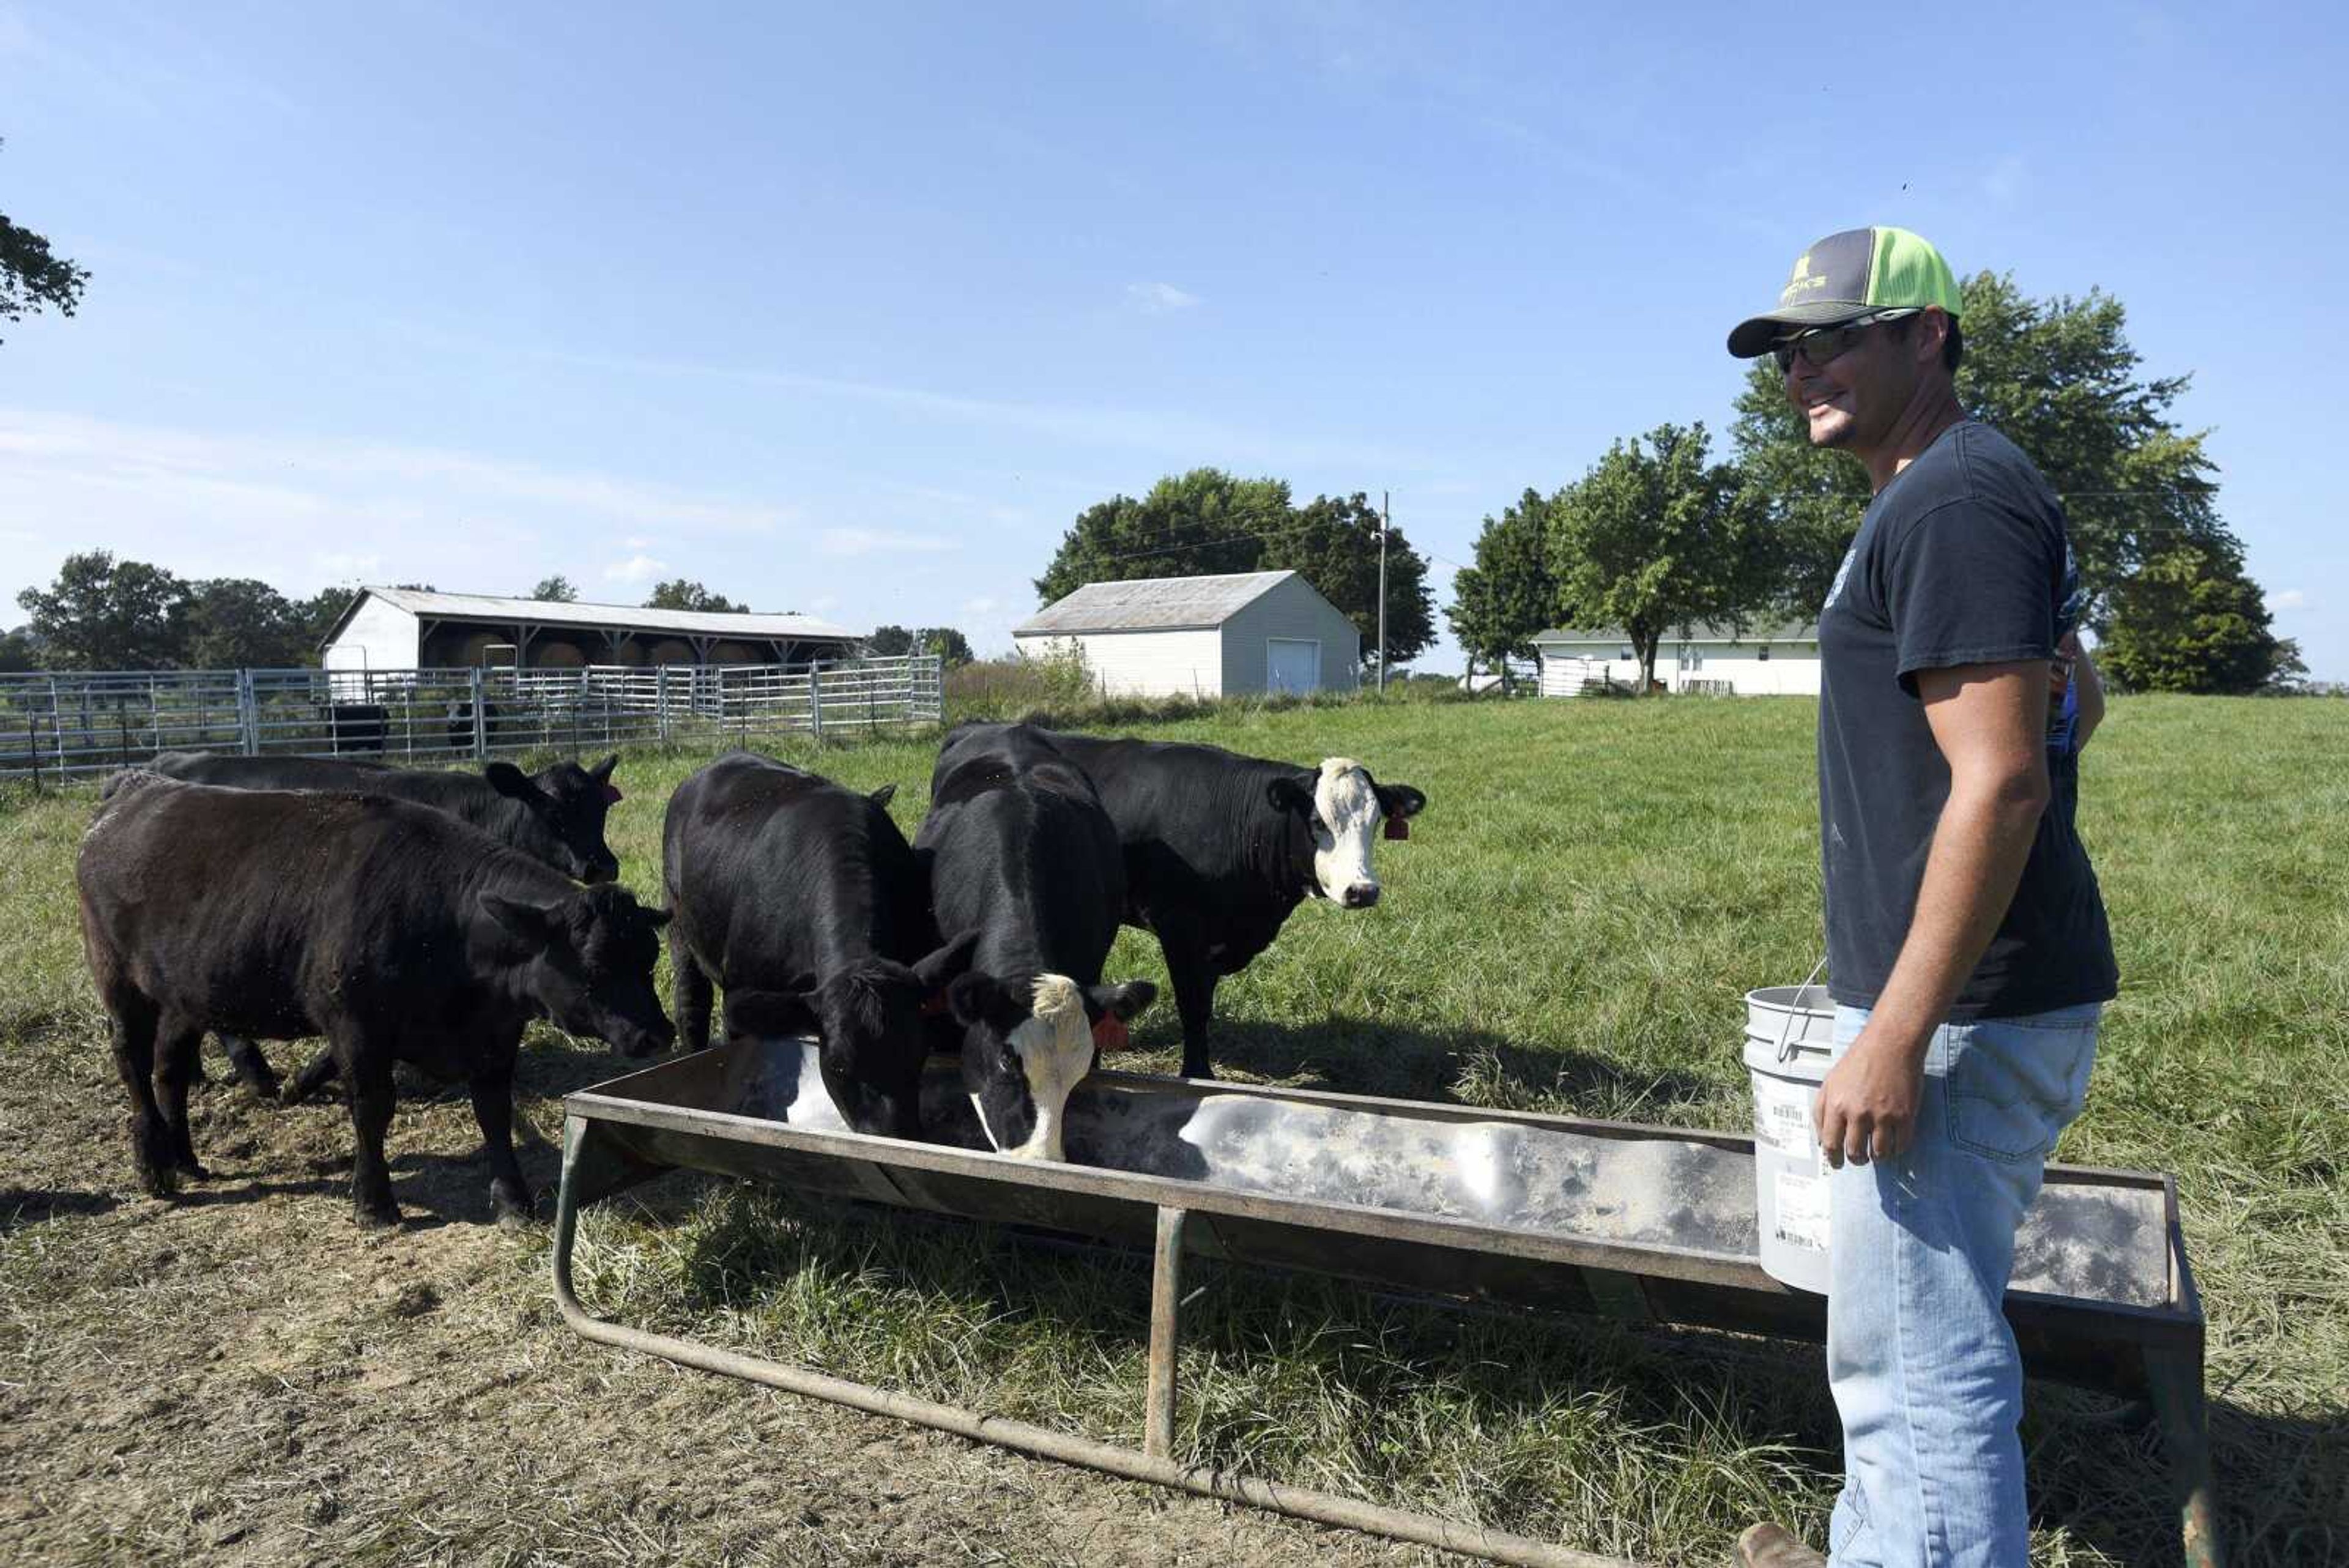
(1291, 664)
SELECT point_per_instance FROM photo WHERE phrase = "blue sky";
(850, 309)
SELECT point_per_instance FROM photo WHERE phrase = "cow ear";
(601, 771)
(1287, 793)
(948, 961)
(763, 1014)
(1400, 800)
(509, 780)
(531, 922)
(884, 796)
(1119, 1000)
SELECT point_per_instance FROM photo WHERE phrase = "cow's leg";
(251, 1067)
(690, 984)
(1194, 998)
(132, 1034)
(177, 1043)
(492, 1090)
(316, 1073)
(367, 1067)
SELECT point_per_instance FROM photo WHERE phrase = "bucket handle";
(1788, 1022)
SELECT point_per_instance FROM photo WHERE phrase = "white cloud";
(2289, 600)
(1158, 298)
(635, 569)
(345, 564)
(877, 541)
(636, 542)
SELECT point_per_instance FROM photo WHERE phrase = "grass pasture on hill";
(246, 1377)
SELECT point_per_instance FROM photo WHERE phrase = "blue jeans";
(1924, 1367)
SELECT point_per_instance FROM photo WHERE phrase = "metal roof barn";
(1235, 634)
(410, 629)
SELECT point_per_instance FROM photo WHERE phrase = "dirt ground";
(246, 1377)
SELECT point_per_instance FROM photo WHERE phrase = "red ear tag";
(934, 1004)
(1110, 1033)
(611, 796)
(1398, 827)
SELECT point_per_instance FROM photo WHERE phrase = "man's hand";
(1867, 1109)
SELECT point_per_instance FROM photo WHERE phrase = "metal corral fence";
(54, 726)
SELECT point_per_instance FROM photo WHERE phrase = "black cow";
(556, 816)
(460, 724)
(397, 932)
(1220, 847)
(803, 900)
(1019, 849)
(356, 726)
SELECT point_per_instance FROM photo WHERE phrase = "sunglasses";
(1823, 345)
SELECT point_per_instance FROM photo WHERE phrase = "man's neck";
(1934, 411)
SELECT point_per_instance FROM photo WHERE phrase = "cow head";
(1341, 807)
(869, 1016)
(565, 808)
(1026, 1040)
(589, 964)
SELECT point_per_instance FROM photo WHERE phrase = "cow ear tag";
(1110, 1033)
(1398, 827)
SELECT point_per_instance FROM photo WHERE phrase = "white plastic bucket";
(1789, 1046)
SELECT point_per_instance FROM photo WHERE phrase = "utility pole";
(1385, 500)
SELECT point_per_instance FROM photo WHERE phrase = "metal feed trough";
(1642, 1224)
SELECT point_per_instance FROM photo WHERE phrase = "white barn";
(1239, 633)
(1766, 661)
(408, 629)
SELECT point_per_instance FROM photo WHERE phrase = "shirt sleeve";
(1972, 582)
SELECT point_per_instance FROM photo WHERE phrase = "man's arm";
(1990, 722)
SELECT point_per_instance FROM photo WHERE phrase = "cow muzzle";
(1359, 895)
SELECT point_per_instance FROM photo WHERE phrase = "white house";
(408, 629)
(1208, 637)
(1766, 661)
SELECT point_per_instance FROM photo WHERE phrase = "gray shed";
(1224, 636)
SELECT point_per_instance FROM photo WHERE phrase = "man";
(1967, 951)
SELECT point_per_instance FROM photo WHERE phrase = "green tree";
(1655, 537)
(2057, 376)
(1506, 599)
(1206, 523)
(556, 589)
(684, 593)
(101, 614)
(889, 642)
(1197, 524)
(952, 649)
(32, 276)
(243, 623)
(2190, 619)
(19, 649)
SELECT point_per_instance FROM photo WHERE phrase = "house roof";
(1703, 631)
(1155, 604)
(633, 617)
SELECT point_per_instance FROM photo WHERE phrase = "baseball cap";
(1844, 276)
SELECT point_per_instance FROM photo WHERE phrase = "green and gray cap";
(1844, 276)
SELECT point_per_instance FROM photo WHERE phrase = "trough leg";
(2175, 1376)
(1165, 1334)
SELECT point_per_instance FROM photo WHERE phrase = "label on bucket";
(1782, 1116)
(1802, 1212)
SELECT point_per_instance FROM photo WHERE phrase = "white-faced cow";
(557, 816)
(1219, 848)
(803, 900)
(1019, 849)
(395, 930)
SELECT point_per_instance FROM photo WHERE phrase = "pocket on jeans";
(2014, 1083)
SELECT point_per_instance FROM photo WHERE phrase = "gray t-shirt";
(1961, 560)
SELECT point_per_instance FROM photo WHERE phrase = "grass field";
(1570, 926)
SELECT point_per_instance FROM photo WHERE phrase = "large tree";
(2058, 376)
(556, 589)
(684, 593)
(243, 623)
(1500, 604)
(1206, 523)
(1656, 538)
(103, 613)
(2188, 620)
(32, 276)
(952, 649)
